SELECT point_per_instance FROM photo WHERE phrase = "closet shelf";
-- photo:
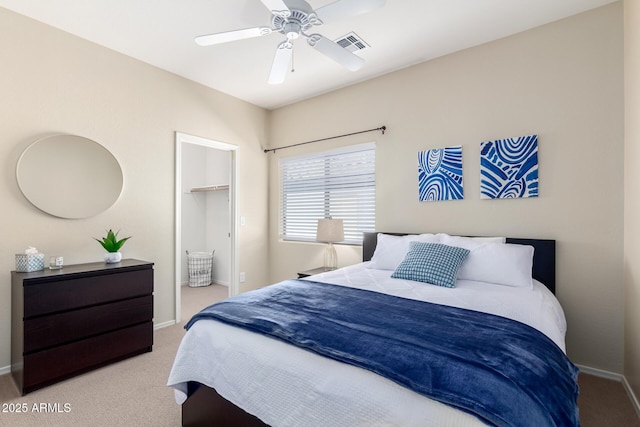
(209, 188)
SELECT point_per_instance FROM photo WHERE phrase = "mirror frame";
(69, 176)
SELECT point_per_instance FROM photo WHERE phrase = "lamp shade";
(330, 230)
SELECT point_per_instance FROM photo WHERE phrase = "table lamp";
(330, 230)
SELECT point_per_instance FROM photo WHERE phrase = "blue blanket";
(502, 371)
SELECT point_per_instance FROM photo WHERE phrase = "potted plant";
(112, 245)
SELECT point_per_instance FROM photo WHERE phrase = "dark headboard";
(544, 255)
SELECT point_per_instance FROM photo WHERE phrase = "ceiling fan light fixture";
(291, 30)
(294, 18)
(303, 20)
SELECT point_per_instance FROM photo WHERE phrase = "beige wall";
(54, 82)
(563, 81)
(632, 194)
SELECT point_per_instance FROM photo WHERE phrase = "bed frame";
(205, 407)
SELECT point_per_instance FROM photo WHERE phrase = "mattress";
(285, 385)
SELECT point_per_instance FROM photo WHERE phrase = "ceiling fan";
(294, 18)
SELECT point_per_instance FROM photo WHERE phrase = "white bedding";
(287, 386)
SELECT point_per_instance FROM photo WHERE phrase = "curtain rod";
(381, 128)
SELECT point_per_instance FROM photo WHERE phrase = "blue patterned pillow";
(433, 263)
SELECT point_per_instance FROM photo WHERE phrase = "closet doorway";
(206, 205)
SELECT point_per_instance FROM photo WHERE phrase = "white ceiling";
(402, 33)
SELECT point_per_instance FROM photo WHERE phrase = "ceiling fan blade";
(277, 7)
(336, 52)
(281, 62)
(344, 8)
(230, 36)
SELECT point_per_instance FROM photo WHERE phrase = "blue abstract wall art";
(440, 174)
(509, 168)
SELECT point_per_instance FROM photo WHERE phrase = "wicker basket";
(200, 265)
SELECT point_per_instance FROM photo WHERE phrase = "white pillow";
(468, 242)
(391, 250)
(503, 264)
(489, 239)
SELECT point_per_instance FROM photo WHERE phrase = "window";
(338, 183)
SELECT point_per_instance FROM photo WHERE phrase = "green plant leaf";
(110, 243)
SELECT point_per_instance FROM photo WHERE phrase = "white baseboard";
(5, 370)
(220, 282)
(616, 377)
(600, 373)
(632, 396)
(215, 282)
(163, 324)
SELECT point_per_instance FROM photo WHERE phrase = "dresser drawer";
(61, 328)
(54, 297)
(45, 367)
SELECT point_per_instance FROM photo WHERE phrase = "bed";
(228, 375)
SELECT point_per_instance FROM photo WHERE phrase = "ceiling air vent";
(352, 42)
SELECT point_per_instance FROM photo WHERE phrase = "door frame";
(183, 138)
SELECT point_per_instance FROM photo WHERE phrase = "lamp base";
(330, 257)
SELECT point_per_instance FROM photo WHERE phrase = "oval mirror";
(69, 176)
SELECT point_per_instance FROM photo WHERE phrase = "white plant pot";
(112, 257)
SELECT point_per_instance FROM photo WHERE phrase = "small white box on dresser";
(29, 262)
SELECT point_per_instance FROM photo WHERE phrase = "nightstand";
(307, 273)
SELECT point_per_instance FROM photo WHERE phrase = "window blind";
(338, 183)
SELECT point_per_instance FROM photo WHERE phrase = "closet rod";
(381, 128)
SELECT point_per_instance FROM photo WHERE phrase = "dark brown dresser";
(69, 321)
